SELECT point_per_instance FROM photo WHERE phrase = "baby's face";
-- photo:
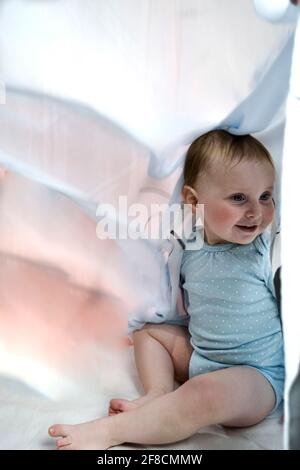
(237, 201)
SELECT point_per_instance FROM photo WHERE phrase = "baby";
(229, 361)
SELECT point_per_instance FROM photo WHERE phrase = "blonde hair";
(220, 145)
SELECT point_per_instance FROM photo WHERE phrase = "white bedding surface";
(25, 416)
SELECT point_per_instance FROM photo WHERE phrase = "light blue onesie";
(234, 318)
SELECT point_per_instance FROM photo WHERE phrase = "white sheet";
(26, 415)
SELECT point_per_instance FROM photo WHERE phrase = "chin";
(245, 242)
(242, 239)
(248, 239)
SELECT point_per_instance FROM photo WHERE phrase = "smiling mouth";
(246, 228)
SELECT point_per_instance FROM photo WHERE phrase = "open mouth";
(246, 228)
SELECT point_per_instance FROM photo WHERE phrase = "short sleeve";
(263, 246)
(263, 243)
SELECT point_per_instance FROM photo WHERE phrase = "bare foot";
(93, 435)
(119, 405)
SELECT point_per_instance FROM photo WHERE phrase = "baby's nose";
(253, 211)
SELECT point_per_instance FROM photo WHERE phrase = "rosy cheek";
(223, 215)
(269, 214)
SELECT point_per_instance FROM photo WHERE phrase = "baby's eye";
(266, 196)
(239, 197)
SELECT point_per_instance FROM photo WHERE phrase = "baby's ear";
(189, 195)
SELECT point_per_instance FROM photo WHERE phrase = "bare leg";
(237, 396)
(162, 353)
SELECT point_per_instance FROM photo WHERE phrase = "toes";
(118, 404)
(68, 447)
(114, 407)
(112, 412)
(58, 430)
(114, 402)
(64, 441)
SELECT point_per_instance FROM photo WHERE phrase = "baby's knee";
(150, 328)
(141, 333)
